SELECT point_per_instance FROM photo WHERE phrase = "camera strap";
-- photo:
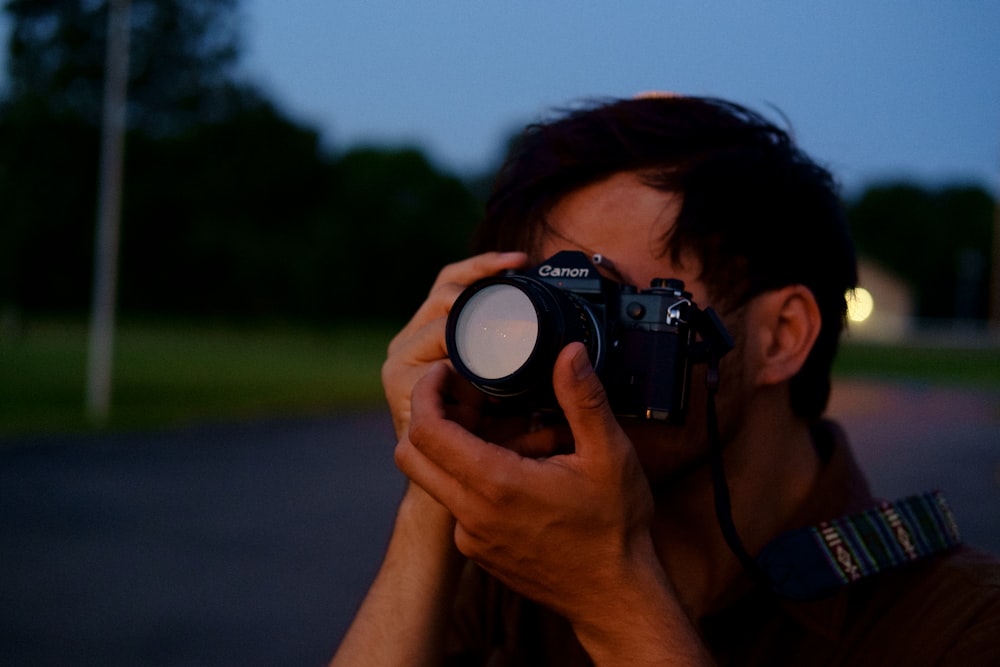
(720, 487)
(810, 562)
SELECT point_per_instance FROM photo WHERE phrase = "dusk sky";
(876, 90)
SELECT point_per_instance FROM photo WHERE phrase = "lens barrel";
(504, 333)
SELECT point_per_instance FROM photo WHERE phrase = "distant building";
(882, 309)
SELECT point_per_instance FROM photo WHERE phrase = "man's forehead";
(622, 267)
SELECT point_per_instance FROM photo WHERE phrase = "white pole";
(994, 312)
(102, 323)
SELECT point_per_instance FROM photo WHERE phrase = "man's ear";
(783, 326)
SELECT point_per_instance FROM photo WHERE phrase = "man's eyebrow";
(601, 261)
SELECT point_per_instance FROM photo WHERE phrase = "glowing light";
(860, 304)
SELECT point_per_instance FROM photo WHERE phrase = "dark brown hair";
(757, 213)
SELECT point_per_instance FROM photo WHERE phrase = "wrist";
(421, 519)
(644, 623)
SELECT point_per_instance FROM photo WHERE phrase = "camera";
(504, 332)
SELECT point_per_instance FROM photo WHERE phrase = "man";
(597, 540)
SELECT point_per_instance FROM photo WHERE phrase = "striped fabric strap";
(810, 562)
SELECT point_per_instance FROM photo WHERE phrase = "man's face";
(626, 221)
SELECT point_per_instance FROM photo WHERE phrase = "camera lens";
(496, 331)
(504, 333)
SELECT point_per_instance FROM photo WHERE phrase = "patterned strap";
(810, 562)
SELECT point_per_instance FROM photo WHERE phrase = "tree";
(183, 58)
(393, 221)
(230, 208)
(220, 217)
(182, 64)
(48, 186)
(938, 240)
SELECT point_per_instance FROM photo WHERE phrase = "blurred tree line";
(233, 209)
(230, 207)
(938, 240)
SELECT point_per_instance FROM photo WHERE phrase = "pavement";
(915, 437)
(252, 543)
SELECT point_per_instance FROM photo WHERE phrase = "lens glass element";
(496, 331)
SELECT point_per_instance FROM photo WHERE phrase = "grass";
(960, 366)
(175, 373)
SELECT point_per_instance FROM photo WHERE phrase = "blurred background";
(291, 174)
(270, 154)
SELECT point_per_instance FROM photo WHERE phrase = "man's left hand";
(568, 531)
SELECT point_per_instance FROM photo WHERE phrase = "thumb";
(583, 400)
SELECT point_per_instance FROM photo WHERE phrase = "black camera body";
(504, 333)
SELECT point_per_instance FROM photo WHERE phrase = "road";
(251, 544)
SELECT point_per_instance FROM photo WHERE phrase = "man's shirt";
(942, 610)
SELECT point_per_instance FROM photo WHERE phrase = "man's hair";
(757, 213)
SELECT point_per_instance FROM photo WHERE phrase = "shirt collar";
(840, 489)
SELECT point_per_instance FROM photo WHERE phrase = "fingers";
(540, 526)
(422, 341)
(584, 401)
(542, 443)
(450, 282)
(479, 266)
(441, 455)
(410, 354)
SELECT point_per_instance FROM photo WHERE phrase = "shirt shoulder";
(945, 610)
(965, 594)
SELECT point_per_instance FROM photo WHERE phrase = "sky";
(874, 90)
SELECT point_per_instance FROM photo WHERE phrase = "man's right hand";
(403, 618)
(422, 341)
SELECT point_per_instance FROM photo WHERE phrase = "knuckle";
(394, 345)
(499, 489)
(466, 544)
(420, 433)
(591, 395)
(472, 534)
(453, 272)
(469, 269)
(401, 454)
(498, 495)
(388, 371)
(450, 294)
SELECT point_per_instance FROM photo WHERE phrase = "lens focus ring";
(504, 333)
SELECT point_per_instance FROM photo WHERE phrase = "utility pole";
(994, 313)
(102, 323)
